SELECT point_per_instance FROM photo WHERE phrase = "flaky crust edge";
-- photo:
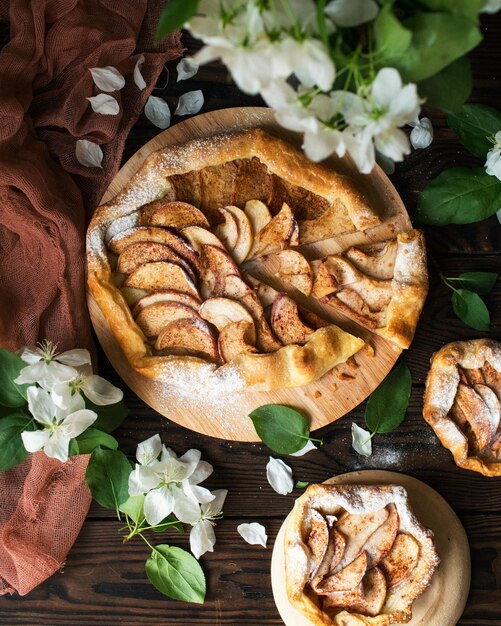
(355, 499)
(441, 388)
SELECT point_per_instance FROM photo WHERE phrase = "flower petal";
(107, 78)
(74, 358)
(30, 356)
(35, 440)
(31, 373)
(149, 450)
(190, 103)
(104, 104)
(210, 509)
(158, 503)
(61, 394)
(348, 13)
(361, 440)
(141, 480)
(202, 538)
(202, 471)
(75, 423)
(200, 494)
(186, 68)
(309, 446)
(279, 476)
(88, 153)
(138, 77)
(185, 508)
(100, 391)
(57, 446)
(253, 533)
(158, 112)
(40, 405)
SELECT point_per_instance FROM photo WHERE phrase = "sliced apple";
(294, 238)
(398, 564)
(275, 236)
(347, 578)
(155, 234)
(492, 403)
(295, 270)
(286, 323)
(161, 276)
(380, 542)
(259, 215)
(373, 594)
(312, 319)
(357, 529)
(324, 283)
(318, 540)
(198, 237)
(476, 413)
(342, 599)
(132, 295)
(227, 230)
(236, 339)
(492, 378)
(178, 215)
(265, 293)
(334, 220)
(245, 234)
(165, 296)
(192, 337)
(153, 318)
(215, 266)
(223, 311)
(377, 260)
(147, 252)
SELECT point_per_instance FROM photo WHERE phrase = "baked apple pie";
(462, 403)
(167, 260)
(356, 555)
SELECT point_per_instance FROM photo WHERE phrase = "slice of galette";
(462, 403)
(355, 555)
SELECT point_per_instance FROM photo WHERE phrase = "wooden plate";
(327, 399)
(442, 604)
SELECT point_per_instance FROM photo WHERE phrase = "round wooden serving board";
(442, 604)
(327, 399)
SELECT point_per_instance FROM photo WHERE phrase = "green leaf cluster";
(387, 405)
(466, 301)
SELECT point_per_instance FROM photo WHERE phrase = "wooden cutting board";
(324, 401)
(442, 604)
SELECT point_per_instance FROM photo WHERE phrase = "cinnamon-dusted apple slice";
(161, 276)
(286, 323)
(318, 540)
(275, 236)
(398, 564)
(342, 599)
(245, 234)
(333, 221)
(148, 252)
(380, 542)
(236, 339)
(312, 319)
(474, 411)
(198, 237)
(377, 260)
(357, 529)
(154, 318)
(259, 215)
(192, 337)
(295, 270)
(178, 215)
(155, 234)
(166, 296)
(215, 266)
(347, 578)
(324, 283)
(227, 229)
(132, 295)
(373, 594)
(223, 311)
(492, 403)
(265, 293)
(492, 378)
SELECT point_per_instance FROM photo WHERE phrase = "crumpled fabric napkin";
(45, 198)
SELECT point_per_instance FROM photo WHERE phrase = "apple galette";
(462, 403)
(356, 555)
(167, 259)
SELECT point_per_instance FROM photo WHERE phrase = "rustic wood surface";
(104, 582)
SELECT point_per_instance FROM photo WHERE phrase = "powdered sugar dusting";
(121, 224)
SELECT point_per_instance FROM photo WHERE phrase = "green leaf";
(73, 448)
(450, 88)
(467, 8)
(281, 428)
(11, 444)
(471, 309)
(387, 405)
(474, 124)
(479, 282)
(438, 39)
(109, 417)
(459, 196)
(174, 16)
(133, 507)
(392, 39)
(176, 574)
(89, 440)
(301, 484)
(169, 522)
(11, 394)
(108, 477)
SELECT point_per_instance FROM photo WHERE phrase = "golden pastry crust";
(449, 366)
(334, 500)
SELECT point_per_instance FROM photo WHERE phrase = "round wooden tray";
(329, 398)
(442, 604)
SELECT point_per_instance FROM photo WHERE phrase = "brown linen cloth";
(44, 82)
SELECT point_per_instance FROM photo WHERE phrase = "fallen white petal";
(422, 134)
(107, 78)
(158, 112)
(138, 77)
(253, 533)
(104, 104)
(186, 68)
(101, 392)
(190, 103)
(202, 538)
(279, 476)
(88, 153)
(361, 440)
(309, 446)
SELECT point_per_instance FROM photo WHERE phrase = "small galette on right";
(462, 403)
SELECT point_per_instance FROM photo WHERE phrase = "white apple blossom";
(59, 425)
(493, 162)
(491, 6)
(202, 536)
(97, 389)
(47, 367)
(422, 133)
(347, 13)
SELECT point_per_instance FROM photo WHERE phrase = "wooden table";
(104, 582)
